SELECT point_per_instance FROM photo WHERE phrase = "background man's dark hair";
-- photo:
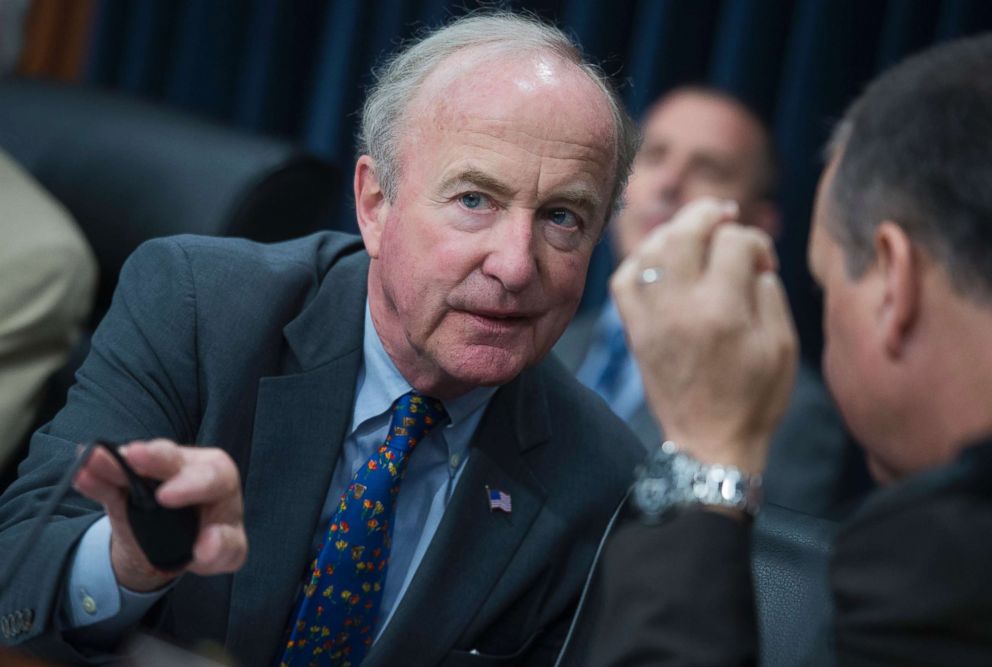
(916, 148)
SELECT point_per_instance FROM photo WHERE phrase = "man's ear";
(371, 207)
(899, 268)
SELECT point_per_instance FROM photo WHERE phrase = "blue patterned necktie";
(335, 616)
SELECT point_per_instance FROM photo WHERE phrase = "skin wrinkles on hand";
(714, 336)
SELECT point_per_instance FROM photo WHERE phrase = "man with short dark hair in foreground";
(385, 404)
(902, 247)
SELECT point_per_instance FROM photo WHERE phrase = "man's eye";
(474, 200)
(562, 217)
(713, 172)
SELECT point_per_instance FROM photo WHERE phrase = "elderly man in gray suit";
(309, 370)
(699, 142)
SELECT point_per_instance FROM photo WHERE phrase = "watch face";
(651, 495)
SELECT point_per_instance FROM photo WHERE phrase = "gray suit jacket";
(256, 349)
(810, 459)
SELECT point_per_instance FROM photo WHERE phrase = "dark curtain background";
(297, 69)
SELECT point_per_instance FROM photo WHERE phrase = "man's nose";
(667, 180)
(512, 258)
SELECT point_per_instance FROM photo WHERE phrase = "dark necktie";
(607, 384)
(335, 616)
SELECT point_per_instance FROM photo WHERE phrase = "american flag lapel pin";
(499, 500)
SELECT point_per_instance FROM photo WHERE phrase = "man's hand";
(712, 333)
(204, 477)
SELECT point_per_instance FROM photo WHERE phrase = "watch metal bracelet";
(671, 478)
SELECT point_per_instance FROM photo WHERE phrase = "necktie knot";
(414, 416)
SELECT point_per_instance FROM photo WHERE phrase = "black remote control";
(165, 534)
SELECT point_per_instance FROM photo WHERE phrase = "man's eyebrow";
(582, 198)
(714, 160)
(479, 179)
(654, 146)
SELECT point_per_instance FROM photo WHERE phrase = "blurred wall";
(297, 68)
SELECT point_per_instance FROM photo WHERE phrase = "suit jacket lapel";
(301, 420)
(473, 545)
(574, 344)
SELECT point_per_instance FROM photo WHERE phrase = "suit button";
(28, 619)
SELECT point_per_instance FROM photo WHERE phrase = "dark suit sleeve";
(909, 576)
(139, 381)
(678, 593)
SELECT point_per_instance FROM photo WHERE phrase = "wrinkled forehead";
(537, 92)
(714, 106)
(710, 121)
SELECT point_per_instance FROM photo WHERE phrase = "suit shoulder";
(233, 287)
(206, 254)
(589, 425)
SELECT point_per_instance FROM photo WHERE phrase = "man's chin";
(486, 366)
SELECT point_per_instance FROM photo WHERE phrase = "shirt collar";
(380, 383)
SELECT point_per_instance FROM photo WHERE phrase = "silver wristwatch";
(671, 478)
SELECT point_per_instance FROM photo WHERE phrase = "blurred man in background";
(698, 142)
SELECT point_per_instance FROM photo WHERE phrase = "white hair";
(397, 82)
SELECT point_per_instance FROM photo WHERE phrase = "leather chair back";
(128, 171)
(790, 558)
